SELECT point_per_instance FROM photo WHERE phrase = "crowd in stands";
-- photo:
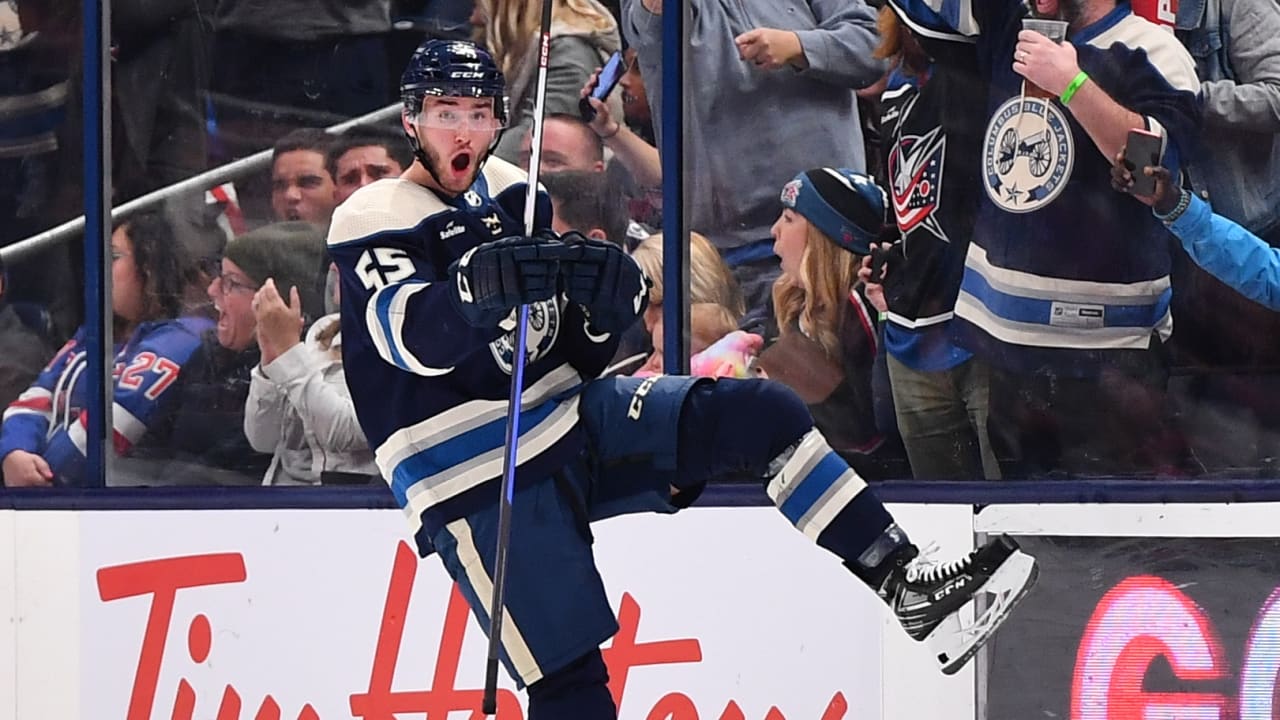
(919, 215)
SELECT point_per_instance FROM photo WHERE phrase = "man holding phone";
(1066, 288)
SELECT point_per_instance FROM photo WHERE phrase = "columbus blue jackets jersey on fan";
(49, 419)
(1062, 269)
(430, 390)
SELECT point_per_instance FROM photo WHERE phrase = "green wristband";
(1076, 82)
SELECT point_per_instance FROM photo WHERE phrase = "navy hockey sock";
(761, 429)
(579, 690)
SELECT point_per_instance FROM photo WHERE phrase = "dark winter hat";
(847, 206)
(291, 253)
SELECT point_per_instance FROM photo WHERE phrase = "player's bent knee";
(578, 690)
(736, 427)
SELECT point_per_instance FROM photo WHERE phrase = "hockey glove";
(492, 278)
(604, 280)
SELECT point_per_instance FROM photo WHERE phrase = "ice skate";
(929, 598)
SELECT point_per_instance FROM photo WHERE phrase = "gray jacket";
(750, 130)
(300, 409)
(1236, 45)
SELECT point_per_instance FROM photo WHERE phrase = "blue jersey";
(49, 419)
(1062, 270)
(429, 389)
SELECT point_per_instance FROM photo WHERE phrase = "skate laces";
(925, 569)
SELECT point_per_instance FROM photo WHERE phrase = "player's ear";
(597, 234)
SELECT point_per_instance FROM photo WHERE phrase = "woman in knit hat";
(208, 435)
(827, 329)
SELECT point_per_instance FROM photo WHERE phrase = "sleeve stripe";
(127, 425)
(384, 316)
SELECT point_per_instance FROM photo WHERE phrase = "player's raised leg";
(815, 489)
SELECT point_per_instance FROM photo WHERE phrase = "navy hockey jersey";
(50, 418)
(1063, 270)
(933, 134)
(430, 390)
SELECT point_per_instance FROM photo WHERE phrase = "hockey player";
(432, 266)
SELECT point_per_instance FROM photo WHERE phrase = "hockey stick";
(489, 705)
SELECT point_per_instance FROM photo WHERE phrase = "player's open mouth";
(461, 162)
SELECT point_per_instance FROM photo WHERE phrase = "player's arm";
(144, 392)
(425, 319)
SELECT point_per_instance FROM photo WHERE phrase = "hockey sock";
(826, 500)
(580, 690)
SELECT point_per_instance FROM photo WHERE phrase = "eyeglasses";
(447, 118)
(228, 284)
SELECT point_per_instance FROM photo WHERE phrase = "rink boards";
(726, 613)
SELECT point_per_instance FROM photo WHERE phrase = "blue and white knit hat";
(847, 206)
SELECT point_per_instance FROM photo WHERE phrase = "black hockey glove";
(604, 280)
(492, 278)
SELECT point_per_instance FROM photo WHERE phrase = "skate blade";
(953, 643)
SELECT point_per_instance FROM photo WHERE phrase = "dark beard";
(1072, 11)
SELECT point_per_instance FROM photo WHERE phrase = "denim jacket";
(1236, 46)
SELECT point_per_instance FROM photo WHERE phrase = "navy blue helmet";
(452, 68)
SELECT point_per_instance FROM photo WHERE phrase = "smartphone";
(1142, 149)
(610, 74)
(878, 259)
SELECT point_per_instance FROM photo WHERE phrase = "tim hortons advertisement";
(1143, 628)
(726, 613)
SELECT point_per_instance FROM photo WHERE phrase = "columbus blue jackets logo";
(1027, 154)
(915, 174)
(544, 326)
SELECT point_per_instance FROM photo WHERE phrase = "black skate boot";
(935, 601)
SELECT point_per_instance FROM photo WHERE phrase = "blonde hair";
(511, 27)
(710, 279)
(818, 299)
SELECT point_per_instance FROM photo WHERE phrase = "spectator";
(1225, 345)
(364, 156)
(635, 99)
(583, 34)
(1066, 287)
(635, 169)
(773, 89)
(25, 349)
(580, 201)
(1236, 47)
(301, 186)
(933, 134)
(159, 78)
(208, 435)
(711, 284)
(1227, 250)
(42, 439)
(828, 337)
(567, 144)
(286, 63)
(299, 407)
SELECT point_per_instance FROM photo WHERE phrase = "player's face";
(455, 134)
(232, 295)
(301, 188)
(360, 166)
(790, 238)
(128, 297)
